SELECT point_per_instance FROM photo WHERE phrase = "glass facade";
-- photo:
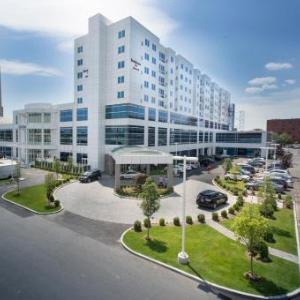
(47, 117)
(64, 156)
(131, 111)
(206, 137)
(34, 136)
(236, 137)
(124, 135)
(82, 158)
(5, 151)
(82, 135)
(151, 136)
(6, 135)
(66, 135)
(47, 136)
(200, 137)
(162, 116)
(34, 118)
(183, 136)
(82, 114)
(152, 114)
(182, 119)
(66, 115)
(162, 136)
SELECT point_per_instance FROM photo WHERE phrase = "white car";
(195, 165)
(188, 167)
(131, 174)
(279, 171)
(235, 177)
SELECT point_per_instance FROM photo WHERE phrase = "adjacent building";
(289, 126)
(129, 90)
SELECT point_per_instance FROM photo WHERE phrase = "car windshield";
(87, 173)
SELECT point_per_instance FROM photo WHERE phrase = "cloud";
(69, 18)
(260, 84)
(16, 67)
(253, 90)
(260, 81)
(272, 66)
(290, 81)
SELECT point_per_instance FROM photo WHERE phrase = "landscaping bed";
(133, 191)
(235, 187)
(215, 258)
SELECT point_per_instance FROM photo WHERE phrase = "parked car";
(256, 162)
(279, 171)
(285, 181)
(188, 167)
(211, 199)
(130, 174)
(245, 172)
(206, 161)
(195, 164)
(236, 177)
(247, 167)
(283, 175)
(256, 184)
(90, 176)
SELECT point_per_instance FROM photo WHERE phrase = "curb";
(297, 233)
(226, 291)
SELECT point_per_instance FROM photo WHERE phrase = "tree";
(282, 139)
(150, 203)
(70, 163)
(56, 166)
(140, 180)
(17, 176)
(268, 198)
(50, 185)
(227, 164)
(250, 228)
(286, 160)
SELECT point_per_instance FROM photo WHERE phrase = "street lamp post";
(183, 257)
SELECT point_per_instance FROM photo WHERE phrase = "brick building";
(289, 126)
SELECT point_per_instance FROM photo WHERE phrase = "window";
(124, 135)
(151, 136)
(82, 114)
(153, 100)
(181, 136)
(82, 135)
(163, 116)
(79, 100)
(146, 84)
(79, 75)
(119, 111)
(120, 79)
(182, 119)
(66, 135)
(172, 59)
(162, 56)
(79, 88)
(153, 87)
(121, 49)
(79, 49)
(121, 64)
(153, 47)
(151, 114)
(154, 60)
(34, 136)
(64, 156)
(80, 62)
(147, 43)
(121, 34)
(146, 70)
(82, 158)
(162, 136)
(146, 98)
(47, 136)
(34, 118)
(47, 117)
(66, 115)
(146, 56)
(120, 94)
(153, 73)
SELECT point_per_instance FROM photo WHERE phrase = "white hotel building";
(129, 89)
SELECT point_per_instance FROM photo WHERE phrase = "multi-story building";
(129, 89)
(289, 126)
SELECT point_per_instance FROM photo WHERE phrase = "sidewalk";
(230, 234)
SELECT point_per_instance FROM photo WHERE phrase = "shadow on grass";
(157, 246)
(267, 287)
(281, 232)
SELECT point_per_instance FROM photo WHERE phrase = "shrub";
(215, 216)
(176, 221)
(57, 203)
(140, 180)
(279, 196)
(224, 214)
(51, 198)
(162, 222)
(244, 192)
(189, 220)
(231, 210)
(201, 218)
(288, 201)
(235, 191)
(268, 237)
(263, 251)
(240, 200)
(267, 210)
(217, 179)
(147, 223)
(137, 226)
(236, 207)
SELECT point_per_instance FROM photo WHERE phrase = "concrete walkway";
(230, 234)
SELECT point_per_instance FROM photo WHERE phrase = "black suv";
(90, 176)
(211, 199)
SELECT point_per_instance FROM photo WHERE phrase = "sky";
(249, 47)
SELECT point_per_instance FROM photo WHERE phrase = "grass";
(5, 181)
(33, 197)
(216, 258)
(240, 185)
(283, 226)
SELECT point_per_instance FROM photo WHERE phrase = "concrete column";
(148, 169)
(117, 176)
(170, 175)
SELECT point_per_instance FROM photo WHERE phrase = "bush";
(51, 198)
(288, 201)
(231, 210)
(267, 210)
(140, 180)
(56, 203)
(137, 226)
(244, 192)
(147, 223)
(279, 196)
(217, 179)
(240, 200)
(215, 216)
(189, 220)
(176, 221)
(162, 222)
(263, 251)
(236, 207)
(224, 214)
(235, 191)
(268, 237)
(201, 218)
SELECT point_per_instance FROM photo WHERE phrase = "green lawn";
(216, 258)
(283, 229)
(231, 184)
(33, 197)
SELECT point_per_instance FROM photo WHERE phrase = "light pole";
(183, 257)
(267, 154)
(275, 154)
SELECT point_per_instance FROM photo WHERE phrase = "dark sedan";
(211, 199)
(90, 176)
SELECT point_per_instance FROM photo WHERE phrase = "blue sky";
(252, 47)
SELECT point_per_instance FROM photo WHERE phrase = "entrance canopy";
(140, 156)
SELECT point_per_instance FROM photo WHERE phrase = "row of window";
(6, 135)
(81, 158)
(66, 135)
(67, 115)
(37, 136)
(235, 137)
(39, 117)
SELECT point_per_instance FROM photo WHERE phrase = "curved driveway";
(97, 201)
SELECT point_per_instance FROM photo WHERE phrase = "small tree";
(17, 176)
(267, 196)
(50, 185)
(56, 166)
(150, 203)
(250, 228)
(70, 164)
(227, 164)
(140, 180)
(286, 160)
